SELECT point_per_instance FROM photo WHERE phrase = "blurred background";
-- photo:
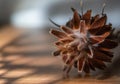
(26, 46)
(35, 13)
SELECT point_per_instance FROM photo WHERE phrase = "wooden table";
(26, 59)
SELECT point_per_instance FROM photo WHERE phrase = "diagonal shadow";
(37, 70)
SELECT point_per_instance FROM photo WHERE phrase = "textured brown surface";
(28, 60)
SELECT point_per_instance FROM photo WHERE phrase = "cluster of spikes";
(84, 42)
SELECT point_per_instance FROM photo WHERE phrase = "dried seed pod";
(83, 42)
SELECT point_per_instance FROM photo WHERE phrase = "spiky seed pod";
(84, 43)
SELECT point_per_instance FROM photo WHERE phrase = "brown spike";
(93, 31)
(74, 44)
(99, 23)
(98, 64)
(103, 49)
(67, 30)
(108, 44)
(69, 69)
(96, 17)
(93, 41)
(75, 64)
(57, 53)
(70, 24)
(76, 20)
(91, 65)
(70, 63)
(80, 64)
(66, 40)
(58, 34)
(73, 9)
(82, 28)
(58, 43)
(109, 53)
(65, 68)
(99, 39)
(101, 56)
(70, 60)
(105, 28)
(86, 67)
(87, 16)
(64, 57)
(100, 31)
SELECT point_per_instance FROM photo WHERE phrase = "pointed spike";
(95, 18)
(69, 24)
(64, 58)
(91, 65)
(65, 67)
(74, 43)
(108, 52)
(76, 20)
(81, 4)
(102, 30)
(58, 33)
(67, 30)
(101, 56)
(109, 44)
(80, 64)
(75, 64)
(87, 16)
(58, 43)
(73, 9)
(98, 64)
(100, 38)
(57, 53)
(112, 31)
(86, 67)
(66, 40)
(83, 26)
(104, 4)
(99, 23)
(54, 23)
(90, 52)
(69, 69)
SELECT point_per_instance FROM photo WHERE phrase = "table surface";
(26, 59)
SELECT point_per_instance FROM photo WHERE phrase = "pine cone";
(84, 43)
